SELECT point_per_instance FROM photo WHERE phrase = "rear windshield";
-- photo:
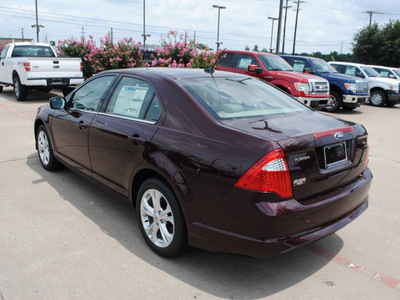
(32, 51)
(228, 98)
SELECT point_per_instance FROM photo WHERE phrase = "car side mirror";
(57, 102)
(254, 68)
(309, 71)
(392, 76)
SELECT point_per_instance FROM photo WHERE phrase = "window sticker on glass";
(129, 101)
(244, 63)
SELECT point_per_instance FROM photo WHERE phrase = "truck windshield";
(397, 71)
(322, 66)
(275, 63)
(32, 51)
(371, 72)
(240, 97)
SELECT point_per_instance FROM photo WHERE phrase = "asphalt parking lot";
(63, 238)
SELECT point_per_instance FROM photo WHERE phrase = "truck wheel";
(1, 89)
(336, 102)
(20, 91)
(378, 98)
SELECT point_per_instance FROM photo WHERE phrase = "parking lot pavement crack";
(385, 159)
(17, 159)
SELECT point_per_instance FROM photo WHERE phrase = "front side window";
(136, 99)
(245, 60)
(228, 98)
(90, 96)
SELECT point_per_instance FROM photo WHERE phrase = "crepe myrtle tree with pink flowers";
(123, 54)
(175, 52)
(182, 53)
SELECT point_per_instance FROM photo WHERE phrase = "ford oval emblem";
(339, 135)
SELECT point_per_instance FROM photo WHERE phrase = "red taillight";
(269, 174)
(367, 159)
(81, 67)
(27, 66)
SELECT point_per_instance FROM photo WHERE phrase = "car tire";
(20, 90)
(161, 219)
(1, 89)
(378, 98)
(336, 102)
(45, 150)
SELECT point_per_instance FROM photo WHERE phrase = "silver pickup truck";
(27, 66)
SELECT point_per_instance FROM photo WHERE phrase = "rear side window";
(136, 99)
(226, 60)
(4, 52)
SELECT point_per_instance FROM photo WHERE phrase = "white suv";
(383, 90)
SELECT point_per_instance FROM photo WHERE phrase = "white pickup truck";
(36, 66)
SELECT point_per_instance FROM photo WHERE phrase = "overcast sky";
(323, 25)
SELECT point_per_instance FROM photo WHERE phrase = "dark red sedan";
(214, 160)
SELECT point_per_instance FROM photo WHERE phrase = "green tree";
(255, 48)
(247, 48)
(379, 46)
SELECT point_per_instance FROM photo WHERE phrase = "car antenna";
(211, 70)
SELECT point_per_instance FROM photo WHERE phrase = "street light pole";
(272, 32)
(37, 22)
(144, 25)
(219, 9)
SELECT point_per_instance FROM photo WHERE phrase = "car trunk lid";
(322, 152)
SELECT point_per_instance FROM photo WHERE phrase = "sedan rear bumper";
(301, 220)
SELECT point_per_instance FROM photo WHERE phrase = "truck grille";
(319, 87)
(362, 87)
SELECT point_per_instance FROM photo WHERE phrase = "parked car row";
(318, 84)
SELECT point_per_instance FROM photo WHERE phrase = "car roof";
(248, 52)
(347, 63)
(175, 73)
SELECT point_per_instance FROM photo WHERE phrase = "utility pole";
(295, 26)
(83, 32)
(112, 35)
(371, 12)
(278, 38)
(219, 17)
(284, 26)
(22, 32)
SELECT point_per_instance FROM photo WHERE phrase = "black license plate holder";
(335, 155)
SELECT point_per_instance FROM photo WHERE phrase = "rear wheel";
(161, 219)
(336, 102)
(1, 89)
(20, 91)
(378, 98)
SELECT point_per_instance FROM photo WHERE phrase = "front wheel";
(378, 98)
(45, 150)
(336, 102)
(20, 90)
(161, 219)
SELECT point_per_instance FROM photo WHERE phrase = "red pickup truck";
(310, 89)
